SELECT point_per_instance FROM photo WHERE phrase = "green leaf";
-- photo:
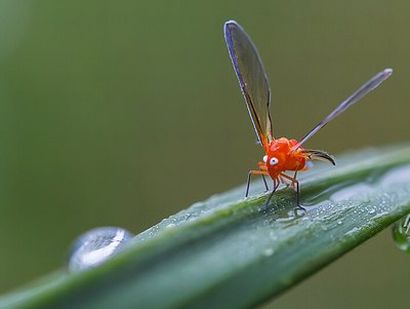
(232, 252)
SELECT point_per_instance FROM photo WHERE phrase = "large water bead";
(96, 246)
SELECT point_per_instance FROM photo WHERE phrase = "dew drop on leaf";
(97, 245)
(401, 233)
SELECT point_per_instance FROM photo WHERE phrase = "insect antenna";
(319, 155)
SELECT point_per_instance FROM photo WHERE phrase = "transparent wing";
(370, 85)
(252, 79)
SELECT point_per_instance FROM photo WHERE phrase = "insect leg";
(262, 167)
(291, 183)
(255, 172)
(264, 181)
(275, 187)
(297, 188)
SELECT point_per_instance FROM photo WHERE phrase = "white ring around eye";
(273, 161)
(265, 158)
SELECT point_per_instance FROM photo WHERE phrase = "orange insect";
(281, 154)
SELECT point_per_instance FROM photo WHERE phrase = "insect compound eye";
(265, 158)
(273, 161)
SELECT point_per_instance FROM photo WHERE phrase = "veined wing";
(252, 78)
(367, 87)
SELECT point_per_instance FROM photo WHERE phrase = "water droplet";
(353, 231)
(401, 233)
(97, 245)
(268, 252)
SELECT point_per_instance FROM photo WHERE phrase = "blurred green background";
(122, 113)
